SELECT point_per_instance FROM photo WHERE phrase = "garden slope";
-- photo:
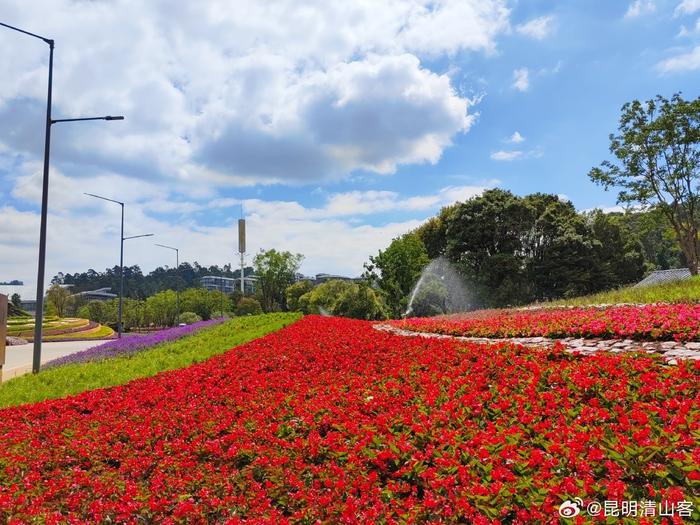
(331, 420)
(74, 378)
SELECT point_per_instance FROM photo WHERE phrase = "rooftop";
(665, 276)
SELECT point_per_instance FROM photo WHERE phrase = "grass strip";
(73, 379)
(685, 291)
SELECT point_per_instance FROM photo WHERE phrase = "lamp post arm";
(108, 117)
(137, 236)
(47, 40)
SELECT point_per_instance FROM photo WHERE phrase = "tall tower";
(241, 250)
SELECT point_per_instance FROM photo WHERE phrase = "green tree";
(430, 299)
(203, 302)
(360, 301)
(57, 297)
(294, 292)
(652, 231)
(433, 232)
(275, 271)
(323, 297)
(189, 318)
(485, 238)
(96, 311)
(344, 298)
(657, 148)
(161, 309)
(133, 314)
(397, 269)
(619, 257)
(248, 306)
(16, 300)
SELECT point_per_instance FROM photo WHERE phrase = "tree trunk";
(689, 244)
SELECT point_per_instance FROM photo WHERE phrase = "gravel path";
(671, 351)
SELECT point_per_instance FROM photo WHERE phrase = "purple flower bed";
(131, 345)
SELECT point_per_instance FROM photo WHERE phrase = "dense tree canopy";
(513, 250)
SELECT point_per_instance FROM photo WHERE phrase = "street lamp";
(39, 319)
(177, 274)
(121, 260)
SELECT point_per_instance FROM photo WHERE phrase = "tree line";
(140, 286)
(515, 250)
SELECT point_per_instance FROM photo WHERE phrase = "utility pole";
(241, 251)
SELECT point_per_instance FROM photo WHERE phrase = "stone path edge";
(671, 351)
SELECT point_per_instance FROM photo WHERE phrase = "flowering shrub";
(131, 344)
(331, 421)
(649, 322)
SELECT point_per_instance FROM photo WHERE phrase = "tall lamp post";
(39, 319)
(177, 274)
(121, 260)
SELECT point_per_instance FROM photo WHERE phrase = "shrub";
(248, 306)
(360, 301)
(323, 297)
(189, 318)
(294, 293)
(344, 298)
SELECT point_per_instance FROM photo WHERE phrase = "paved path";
(18, 359)
(671, 351)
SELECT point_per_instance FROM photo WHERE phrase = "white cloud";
(684, 32)
(639, 8)
(689, 61)
(687, 7)
(372, 114)
(607, 209)
(516, 138)
(537, 28)
(506, 156)
(210, 88)
(511, 155)
(368, 202)
(521, 79)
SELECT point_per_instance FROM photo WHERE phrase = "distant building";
(28, 305)
(324, 277)
(101, 294)
(665, 276)
(229, 284)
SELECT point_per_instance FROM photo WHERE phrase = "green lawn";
(73, 379)
(687, 291)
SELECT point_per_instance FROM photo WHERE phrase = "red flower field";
(331, 421)
(650, 322)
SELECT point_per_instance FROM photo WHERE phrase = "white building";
(229, 284)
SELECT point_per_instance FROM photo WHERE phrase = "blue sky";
(337, 125)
